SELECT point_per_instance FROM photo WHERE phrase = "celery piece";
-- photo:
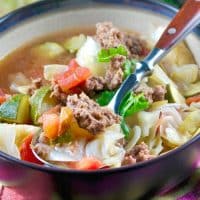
(41, 101)
(16, 109)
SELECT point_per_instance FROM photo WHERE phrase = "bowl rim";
(22, 14)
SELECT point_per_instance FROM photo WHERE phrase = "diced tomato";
(82, 73)
(26, 152)
(2, 96)
(73, 63)
(69, 70)
(76, 78)
(50, 125)
(75, 90)
(65, 74)
(193, 99)
(68, 83)
(89, 163)
(73, 76)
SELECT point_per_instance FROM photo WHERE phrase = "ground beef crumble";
(136, 46)
(108, 35)
(139, 153)
(146, 90)
(89, 114)
(114, 74)
(57, 93)
(93, 85)
(35, 84)
(159, 92)
(152, 94)
(112, 80)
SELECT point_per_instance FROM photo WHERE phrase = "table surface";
(188, 190)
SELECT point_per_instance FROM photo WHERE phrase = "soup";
(54, 102)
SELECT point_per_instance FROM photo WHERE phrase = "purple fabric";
(192, 195)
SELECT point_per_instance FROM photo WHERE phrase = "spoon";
(56, 163)
(181, 25)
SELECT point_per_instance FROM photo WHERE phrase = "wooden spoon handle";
(183, 23)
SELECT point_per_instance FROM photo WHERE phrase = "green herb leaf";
(105, 97)
(133, 103)
(129, 67)
(105, 55)
(125, 128)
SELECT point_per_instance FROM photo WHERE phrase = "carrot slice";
(50, 125)
(193, 99)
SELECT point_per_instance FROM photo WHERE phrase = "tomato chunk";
(82, 73)
(89, 163)
(69, 70)
(73, 64)
(75, 79)
(72, 77)
(26, 152)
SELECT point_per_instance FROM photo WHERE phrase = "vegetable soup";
(54, 103)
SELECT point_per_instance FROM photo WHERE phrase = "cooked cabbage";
(106, 146)
(133, 138)
(87, 57)
(192, 89)
(186, 73)
(12, 135)
(155, 145)
(191, 123)
(171, 117)
(51, 70)
(66, 153)
(172, 138)
(146, 121)
(159, 77)
(19, 83)
(161, 128)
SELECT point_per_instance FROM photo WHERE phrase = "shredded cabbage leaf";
(12, 135)
(106, 147)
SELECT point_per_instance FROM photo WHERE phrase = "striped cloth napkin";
(188, 190)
